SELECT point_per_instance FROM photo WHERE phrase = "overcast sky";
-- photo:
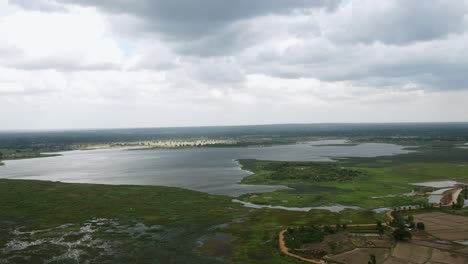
(152, 63)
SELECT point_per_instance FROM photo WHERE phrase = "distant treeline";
(246, 135)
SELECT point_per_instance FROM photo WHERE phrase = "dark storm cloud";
(364, 42)
(189, 18)
(437, 75)
(402, 21)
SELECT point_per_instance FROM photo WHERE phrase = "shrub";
(401, 234)
(295, 237)
(420, 226)
(317, 172)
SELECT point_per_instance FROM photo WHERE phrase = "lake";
(211, 170)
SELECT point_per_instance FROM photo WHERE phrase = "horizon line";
(220, 126)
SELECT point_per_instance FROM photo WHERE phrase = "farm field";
(354, 244)
(445, 226)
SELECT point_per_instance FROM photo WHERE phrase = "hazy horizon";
(376, 124)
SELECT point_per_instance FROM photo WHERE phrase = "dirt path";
(453, 195)
(389, 215)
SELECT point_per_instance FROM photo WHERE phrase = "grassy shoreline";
(383, 181)
(180, 224)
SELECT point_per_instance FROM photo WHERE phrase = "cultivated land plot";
(444, 226)
(437, 245)
(410, 253)
(447, 257)
(360, 255)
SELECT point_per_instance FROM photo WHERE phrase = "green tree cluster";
(401, 234)
(295, 237)
(460, 202)
(315, 171)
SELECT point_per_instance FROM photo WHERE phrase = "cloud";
(20, 83)
(41, 5)
(232, 62)
(61, 41)
(398, 21)
(437, 63)
(188, 19)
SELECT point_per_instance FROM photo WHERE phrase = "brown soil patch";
(393, 260)
(450, 196)
(447, 257)
(451, 235)
(362, 255)
(432, 244)
(463, 251)
(444, 226)
(336, 243)
(410, 252)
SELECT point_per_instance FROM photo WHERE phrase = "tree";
(460, 202)
(381, 230)
(410, 218)
(328, 229)
(420, 226)
(401, 234)
(398, 221)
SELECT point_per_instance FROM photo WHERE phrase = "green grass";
(12, 154)
(281, 172)
(45, 204)
(381, 183)
(180, 219)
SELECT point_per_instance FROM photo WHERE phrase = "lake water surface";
(211, 170)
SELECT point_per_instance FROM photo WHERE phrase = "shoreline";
(42, 155)
(336, 208)
(450, 196)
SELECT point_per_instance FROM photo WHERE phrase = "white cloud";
(74, 39)
(85, 64)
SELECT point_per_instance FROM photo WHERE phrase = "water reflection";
(212, 170)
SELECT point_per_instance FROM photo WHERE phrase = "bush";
(401, 234)
(398, 221)
(317, 172)
(420, 226)
(295, 237)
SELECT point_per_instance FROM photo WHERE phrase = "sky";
(159, 63)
